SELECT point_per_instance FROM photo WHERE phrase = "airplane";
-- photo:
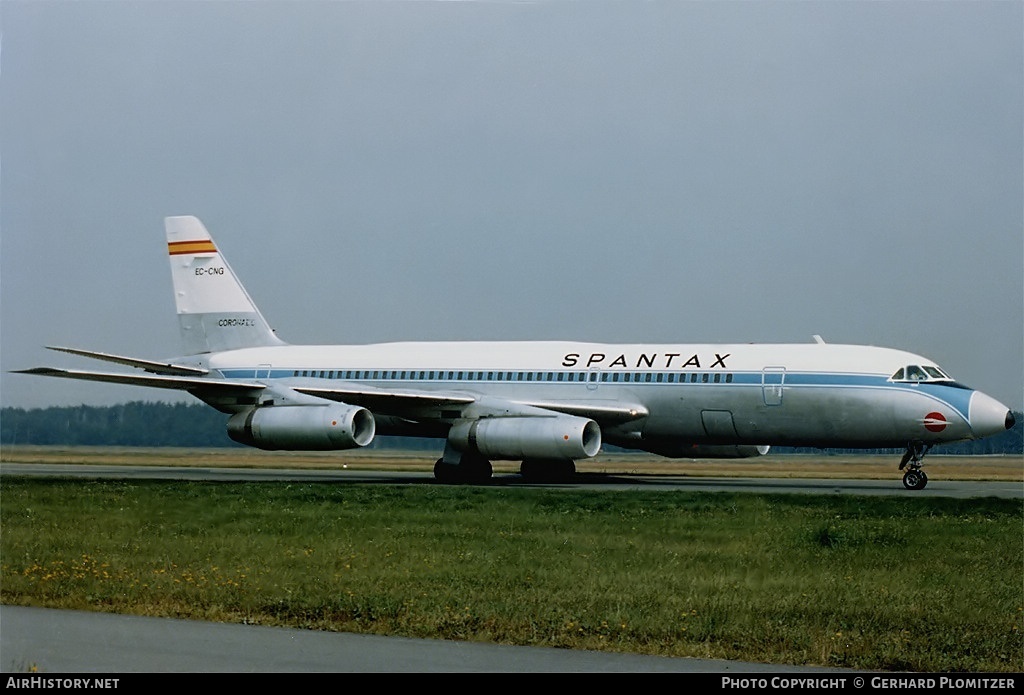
(546, 404)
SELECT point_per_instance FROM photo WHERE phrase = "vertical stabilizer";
(214, 310)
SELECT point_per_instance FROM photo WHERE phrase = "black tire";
(544, 471)
(475, 471)
(915, 479)
(445, 472)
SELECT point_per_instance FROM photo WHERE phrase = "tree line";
(146, 424)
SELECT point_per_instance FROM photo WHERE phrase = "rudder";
(214, 311)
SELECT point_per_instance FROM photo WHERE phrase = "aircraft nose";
(988, 416)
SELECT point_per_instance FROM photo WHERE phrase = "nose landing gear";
(914, 478)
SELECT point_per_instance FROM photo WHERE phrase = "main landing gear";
(474, 470)
(914, 478)
(547, 471)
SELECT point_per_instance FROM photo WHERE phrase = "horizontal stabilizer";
(159, 382)
(148, 365)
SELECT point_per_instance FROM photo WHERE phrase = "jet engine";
(517, 438)
(303, 427)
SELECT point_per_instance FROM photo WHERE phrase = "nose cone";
(988, 416)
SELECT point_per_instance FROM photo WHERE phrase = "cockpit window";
(915, 373)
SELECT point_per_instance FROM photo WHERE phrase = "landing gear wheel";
(475, 470)
(445, 472)
(544, 471)
(470, 470)
(915, 479)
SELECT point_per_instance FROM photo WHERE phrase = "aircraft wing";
(180, 383)
(417, 404)
(601, 411)
(388, 401)
(421, 405)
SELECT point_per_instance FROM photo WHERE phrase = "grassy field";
(915, 584)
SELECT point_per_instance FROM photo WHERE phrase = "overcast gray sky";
(601, 171)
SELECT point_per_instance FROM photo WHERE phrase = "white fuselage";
(806, 395)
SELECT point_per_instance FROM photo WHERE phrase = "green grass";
(922, 584)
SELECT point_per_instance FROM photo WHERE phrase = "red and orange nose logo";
(935, 422)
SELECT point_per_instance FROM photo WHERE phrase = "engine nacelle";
(303, 427)
(707, 451)
(517, 438)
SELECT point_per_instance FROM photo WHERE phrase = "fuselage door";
(593, 377)
(772, 382)
(263, 371)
